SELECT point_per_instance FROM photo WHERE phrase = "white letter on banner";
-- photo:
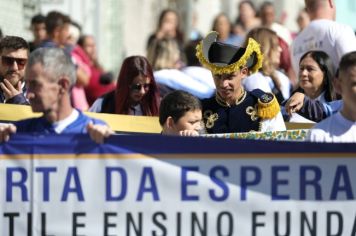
(109, 174)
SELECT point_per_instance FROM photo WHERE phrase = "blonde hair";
(268, 40)
(163, 54)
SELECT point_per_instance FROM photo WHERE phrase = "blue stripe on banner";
(158, 144)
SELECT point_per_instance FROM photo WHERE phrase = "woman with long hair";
(316, 72)
(223, 26)
(168, 27)
(268, 79)
(136, 91)
(247, 18)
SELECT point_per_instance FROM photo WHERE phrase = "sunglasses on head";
(138, 87)
(9, 61)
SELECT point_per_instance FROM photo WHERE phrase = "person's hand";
(167, 30)
(295, 103)
(99, 132)
(5, 131)
(188, 133)
(9, 90)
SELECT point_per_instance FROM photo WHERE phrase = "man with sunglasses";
(50, 75)
(13, 58)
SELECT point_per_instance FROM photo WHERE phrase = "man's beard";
(13, 77)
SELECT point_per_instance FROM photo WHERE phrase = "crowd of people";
(252, 74)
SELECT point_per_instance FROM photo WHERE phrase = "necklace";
(223, 103)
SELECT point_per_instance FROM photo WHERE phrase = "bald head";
(320, 9)
(313, 5)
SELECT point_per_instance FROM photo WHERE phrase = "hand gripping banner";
(158, 185)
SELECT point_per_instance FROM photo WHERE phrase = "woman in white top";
(268, 79)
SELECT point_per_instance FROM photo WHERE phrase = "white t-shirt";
(201, 75)
(98, 105)
(257, 81)
(274, 124)
(178, 80)
(282, 32)
(335, 128)
(326, 35)
(265, 83)
(59, 126)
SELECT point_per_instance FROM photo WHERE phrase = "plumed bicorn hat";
(221, 58)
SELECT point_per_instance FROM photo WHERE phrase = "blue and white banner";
(157, 185)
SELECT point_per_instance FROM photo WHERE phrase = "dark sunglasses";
(9, 61)
(138, 87)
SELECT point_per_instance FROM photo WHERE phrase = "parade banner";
(158, 185)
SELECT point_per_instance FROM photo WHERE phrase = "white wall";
(291, 9)
(139, 21)
(206, 11)
(122, 27)
(15, 16)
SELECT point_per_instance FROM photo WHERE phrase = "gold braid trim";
(252, 47)
(268, 110)
(223, 103)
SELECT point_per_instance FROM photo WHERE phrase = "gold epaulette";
(268, 106)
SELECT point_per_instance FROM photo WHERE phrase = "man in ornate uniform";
(233, 109)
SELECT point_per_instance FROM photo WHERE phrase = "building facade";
(121, 28)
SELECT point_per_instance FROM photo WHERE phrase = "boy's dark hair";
(13, 42)
(38, 19)
(55, 19)
(348, 60)
(176, 104)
